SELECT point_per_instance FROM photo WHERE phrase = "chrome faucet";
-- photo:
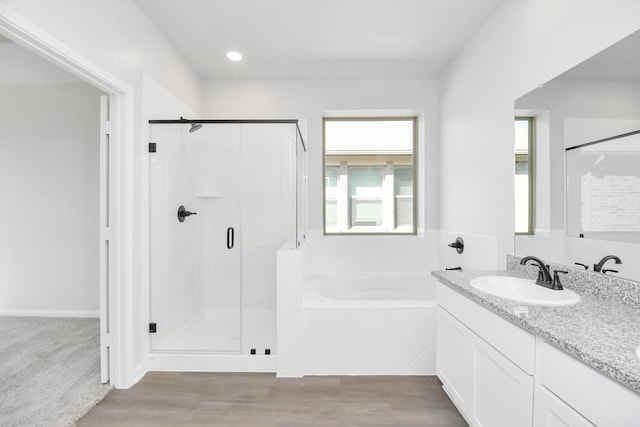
(598, 267)
(544, 275)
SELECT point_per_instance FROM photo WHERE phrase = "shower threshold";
(185, 362)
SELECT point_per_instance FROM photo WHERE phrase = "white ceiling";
(312, 39)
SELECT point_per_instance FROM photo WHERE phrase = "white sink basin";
(524, 290)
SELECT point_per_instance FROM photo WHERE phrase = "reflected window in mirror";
(369, 175)
(524, 174)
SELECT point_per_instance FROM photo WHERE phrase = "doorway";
(114, 235)
(55, 195)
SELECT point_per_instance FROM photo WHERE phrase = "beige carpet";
(49, 370)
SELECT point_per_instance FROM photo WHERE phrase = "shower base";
(207, 331)
(210, 341)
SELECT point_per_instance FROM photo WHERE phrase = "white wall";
(311, 100)
(525, 43)
(21, 67)
(49, 181)
(116, 38)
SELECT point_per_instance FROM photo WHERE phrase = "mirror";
(603, 188)
(586, 200)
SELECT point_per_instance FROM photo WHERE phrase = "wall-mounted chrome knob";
(183, 213)
(458, 245)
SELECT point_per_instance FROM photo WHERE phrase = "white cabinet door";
(553, 412)
(598, 398)
(487, 387)
(503, 393)
(454, 359)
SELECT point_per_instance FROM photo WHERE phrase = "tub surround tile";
(290, 344)
(290, 323)
(289, 260)
(289, 313)
(607, 286)
(603, 333)
(289, 366)
(369, 341)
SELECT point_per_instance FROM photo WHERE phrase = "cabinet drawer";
(513, 342)
(601, 400)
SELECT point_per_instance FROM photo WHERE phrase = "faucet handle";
(609, 271)
(556, 285)
(586, 267)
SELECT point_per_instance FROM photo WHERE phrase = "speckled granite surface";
(603, 333)
(608, 286)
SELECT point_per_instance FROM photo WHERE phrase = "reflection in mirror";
(595, 100)
(524, 177)
(603, 189)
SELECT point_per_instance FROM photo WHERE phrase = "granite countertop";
(600, 332)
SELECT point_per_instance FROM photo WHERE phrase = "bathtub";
(369, 325)
(369, 291)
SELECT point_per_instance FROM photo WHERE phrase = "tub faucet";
(598, 267)
(544, 276)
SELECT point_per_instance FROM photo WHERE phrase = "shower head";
(195, 127)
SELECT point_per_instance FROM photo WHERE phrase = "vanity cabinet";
(550, 411)
(570, 393)
(498, 374)
(484, 362)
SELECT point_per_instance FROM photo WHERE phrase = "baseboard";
(50, 313)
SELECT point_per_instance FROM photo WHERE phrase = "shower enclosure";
(225, 196)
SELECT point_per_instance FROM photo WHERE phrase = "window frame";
(414, 166)
(531, 157)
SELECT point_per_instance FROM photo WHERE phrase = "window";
(524, 175)
(369, 175)
(403, 192)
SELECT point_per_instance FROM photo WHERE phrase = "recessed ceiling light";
(234, 56)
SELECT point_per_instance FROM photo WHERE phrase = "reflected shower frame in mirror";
(604, 87)
(603, 188)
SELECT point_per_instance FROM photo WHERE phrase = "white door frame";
(116, 298)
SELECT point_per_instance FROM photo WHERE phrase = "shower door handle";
(230, 237)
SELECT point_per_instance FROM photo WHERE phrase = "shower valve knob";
(183, 213)
(458, 245)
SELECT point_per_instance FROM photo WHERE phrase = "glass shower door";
(195, 259)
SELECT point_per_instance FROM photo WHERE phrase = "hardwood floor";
(247, 399)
